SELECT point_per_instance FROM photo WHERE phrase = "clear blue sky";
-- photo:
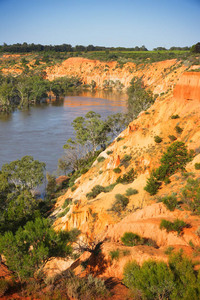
(126, 23)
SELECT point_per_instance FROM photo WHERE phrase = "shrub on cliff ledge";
(131, 239)
(120, 203)
(174, 159)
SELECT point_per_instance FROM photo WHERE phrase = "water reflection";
(42, 130)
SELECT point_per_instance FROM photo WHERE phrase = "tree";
(90, 131)
(139, 99)
(32, 246)
(26, 173)
(195, 48)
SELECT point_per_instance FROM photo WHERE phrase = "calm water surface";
(43, 130)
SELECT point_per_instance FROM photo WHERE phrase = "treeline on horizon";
(24, 48)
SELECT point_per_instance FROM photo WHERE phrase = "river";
(42, 130)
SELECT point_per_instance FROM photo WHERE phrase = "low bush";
(117, 170)
(178, 129)
(73, 188)
(177, 225)
(114, 254)
(170, 202)
(4, 285)
(132, 239)
(172, 138)
(110, 187)
(127, 178)
(67, 202)
(126, 157)
(120, 203)
(157, 280)
(157, 139)
(100, 159)
(191, 195)
(63, 213)
(197, 166)
(131, 191)
(175, 117)
(152, 185)
(96, 190)
(198, 231)
(169, 250)
(119, 139)
(109, 152)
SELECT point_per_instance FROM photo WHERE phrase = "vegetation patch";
(158, 139)
(178, 129)
(197, 166)
(158, 280)
(170, 202)
(175, 117)
(177, 225)
(117, 170)
(120, 203)
(127, 178)
(131, 191)
(132, 239)
(191, 195)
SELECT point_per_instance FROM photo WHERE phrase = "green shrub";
(84, 170)
(96, 190)
(110, 187)
(67, 202)
(198, 231)
(177, 225)
(172, 138)
(131, 191)
(73, 188)
(119, 139)
(100, 159)
(197, 166)
(152, 185)
(117, 170)
(63, 213)
(169, 250)
(109, 152)
(127, 178)
(178, 129)
(4, 285)
(114, 254)
(157, 280)
(126, 157)
(153, 280)
(191, 195)
(131, 239)
(175, 117)
(120, 203)
(170, 202)
(157, 139)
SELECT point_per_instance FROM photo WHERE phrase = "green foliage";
(126, 157)
(157, 280)
(175, 117)
(172, 138)
(178, 129)
(169, 250)
(31, 246)
(100, 159)
(114, 254)
(152, 185)
(67, 202)
(109, 152)
(63, 213)
(197, 166)
(117, 170)
(191, 195)
(174, 159)
(51, 184)
(120, 203)
(170, 202)
(139, 98)
(157, 139)
(131, 191)
(4, 285)
(96, 190)
(73, 188)
(132, 239)
(177, 225)
(153, 280)
(127, 178)
(26, 173)
(195, 48)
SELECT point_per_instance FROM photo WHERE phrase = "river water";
(42, 130)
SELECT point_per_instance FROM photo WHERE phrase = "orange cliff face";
(159, 76)
(94, 217)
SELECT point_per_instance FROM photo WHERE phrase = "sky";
(127, 23)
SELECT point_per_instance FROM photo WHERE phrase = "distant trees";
(195, 48)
